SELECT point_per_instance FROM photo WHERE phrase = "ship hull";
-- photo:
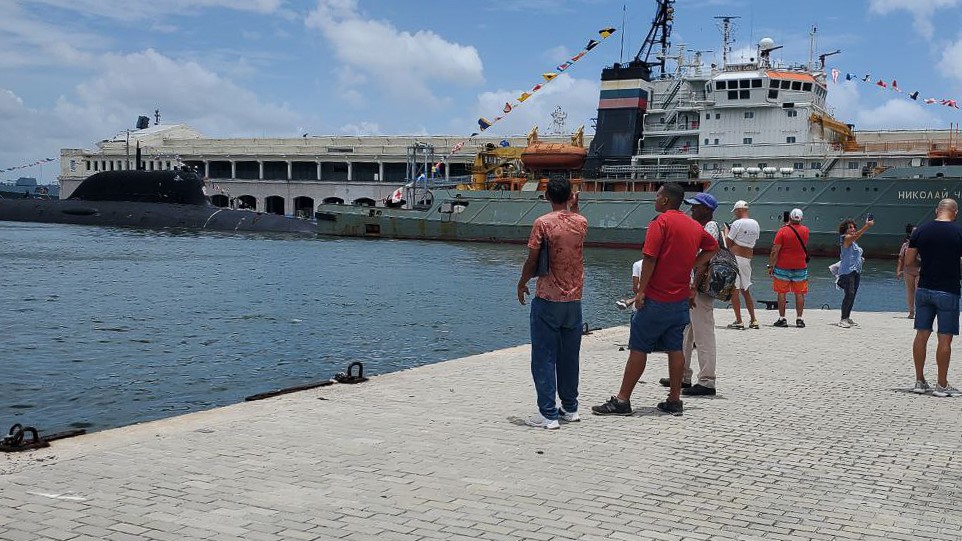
(149, 216)
(619, 219)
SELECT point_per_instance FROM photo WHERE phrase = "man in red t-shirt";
(671, 251)
(788, 267)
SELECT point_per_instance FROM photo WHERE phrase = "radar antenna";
(728, 30)
(658, 35)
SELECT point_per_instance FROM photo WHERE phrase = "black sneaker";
(613, 407)
(699, 390)
(666, 382)
(782, 322)
(800, 323)
(674, 407)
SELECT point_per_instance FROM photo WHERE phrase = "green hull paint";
(620, 219)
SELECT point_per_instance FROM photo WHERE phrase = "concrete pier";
(813, 435)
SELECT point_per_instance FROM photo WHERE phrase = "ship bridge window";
(756, 83)
(786, 85)
(796, 85)
(721, 85)
(749, 114)
(744, 83)
(773, 83)
(773, 94)
(807, 87)
(733, 94)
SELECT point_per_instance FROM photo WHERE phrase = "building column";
(290, 170)
(260, 168)
(233, 169)
(206, 168)
(380, 171)
(350, 171)
(318, 170)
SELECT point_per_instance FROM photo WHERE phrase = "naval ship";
(758, 131)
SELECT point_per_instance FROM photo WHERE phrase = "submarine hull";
(149, 216)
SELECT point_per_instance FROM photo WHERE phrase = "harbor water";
(107, 327)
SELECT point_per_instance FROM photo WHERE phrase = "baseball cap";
(740, 204)
(703, 198)
(796, 215)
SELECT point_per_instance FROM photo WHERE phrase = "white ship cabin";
(758, 120)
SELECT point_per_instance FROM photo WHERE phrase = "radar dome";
(766, 44)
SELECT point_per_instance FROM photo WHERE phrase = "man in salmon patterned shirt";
(556, 308)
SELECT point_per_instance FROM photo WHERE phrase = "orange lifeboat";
(539, 156)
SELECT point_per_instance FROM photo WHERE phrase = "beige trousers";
(701, 331)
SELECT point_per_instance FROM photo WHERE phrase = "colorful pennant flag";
(484, 124)
(881, 83)
(914, 95)
(834, 75)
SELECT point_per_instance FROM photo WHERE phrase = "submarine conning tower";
(182, 187)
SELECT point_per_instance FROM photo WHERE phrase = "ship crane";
(823, 56)
(658, 34)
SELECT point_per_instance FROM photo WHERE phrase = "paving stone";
(812, 436)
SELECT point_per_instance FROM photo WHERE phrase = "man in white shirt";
(635, 281)
(743, 234)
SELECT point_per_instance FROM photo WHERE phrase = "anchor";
(350, 377)
(14, 441)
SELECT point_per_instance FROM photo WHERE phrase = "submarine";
(169, 199)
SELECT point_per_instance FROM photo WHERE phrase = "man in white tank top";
(743, 234)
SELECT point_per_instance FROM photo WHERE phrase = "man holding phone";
(788, 266)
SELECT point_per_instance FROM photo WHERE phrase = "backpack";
(719, 280)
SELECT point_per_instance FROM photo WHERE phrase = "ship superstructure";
(754, 119)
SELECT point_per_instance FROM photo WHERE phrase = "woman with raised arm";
(850, 266)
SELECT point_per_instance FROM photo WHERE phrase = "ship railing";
(682, 150)
(637, 171)
(683, 126)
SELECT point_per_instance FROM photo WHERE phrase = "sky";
(74, 72)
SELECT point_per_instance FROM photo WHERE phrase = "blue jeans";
(659, 326)
(930, 303)
(849, 284)
(555, 348)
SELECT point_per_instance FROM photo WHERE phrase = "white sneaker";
(568, 417)
(844, 324)
(539, 421)
(852, 322)
(921, 387)
(948, 390)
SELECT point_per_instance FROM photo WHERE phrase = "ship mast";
(727, 30)
(658, 34)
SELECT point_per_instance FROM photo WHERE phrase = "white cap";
(740, 204)
(796, 215)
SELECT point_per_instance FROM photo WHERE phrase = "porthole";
(848, 189)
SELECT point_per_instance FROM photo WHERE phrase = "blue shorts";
(659, 326)
(930, 303)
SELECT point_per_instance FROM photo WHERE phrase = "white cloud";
(404, 64)
(951, 62)
(361, 128)
(922, 11)
(29, 42)
(125, 86)
(126, 11)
